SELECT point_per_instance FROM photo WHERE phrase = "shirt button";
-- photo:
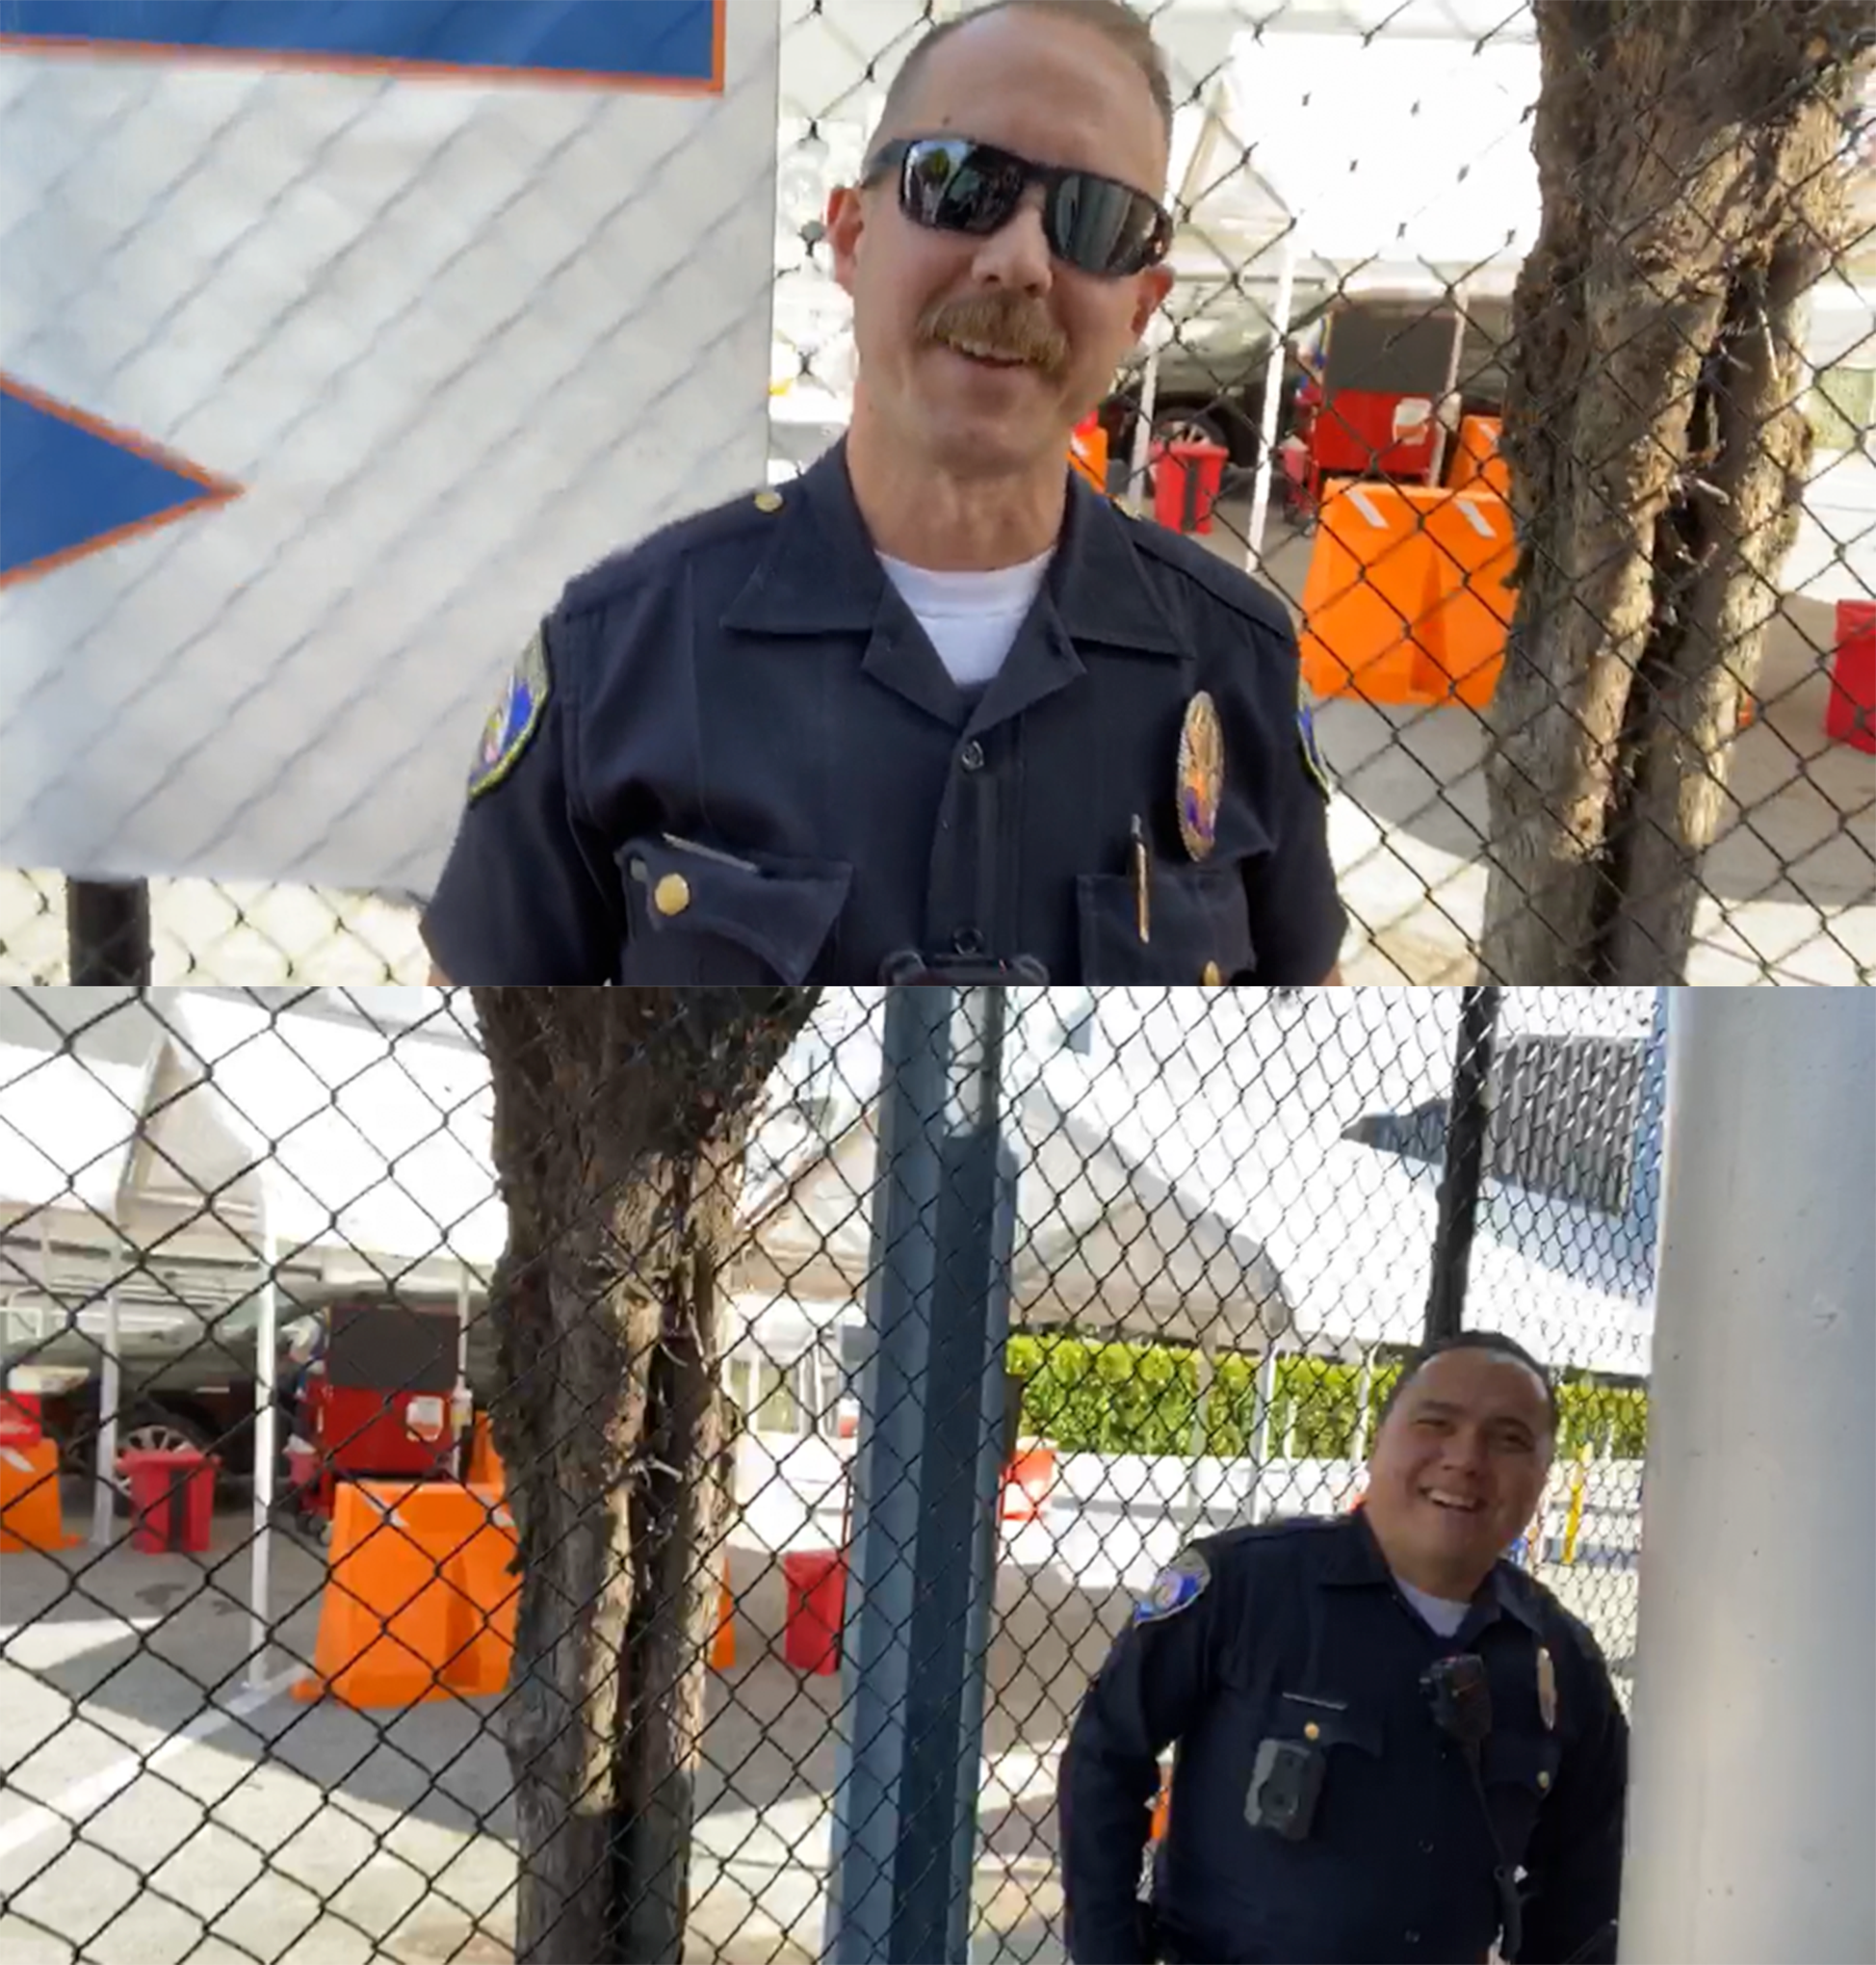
(671, 895)
(967, 941)
(971, 757)
(1211, 976)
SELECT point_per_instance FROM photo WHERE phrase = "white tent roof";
(1190, 1181)
(1106, 1236)
(349, 1135)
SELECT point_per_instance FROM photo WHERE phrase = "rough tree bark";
(1692, 194)
(620, 1120)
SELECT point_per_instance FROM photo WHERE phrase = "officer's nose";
(1016, 255)
(1465, 1452)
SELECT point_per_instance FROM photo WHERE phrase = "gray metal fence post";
(926, 1474)
(1467, 1118)
(1754, 1781)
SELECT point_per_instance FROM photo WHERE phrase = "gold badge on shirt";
(1546, 1688)
(1200, 775)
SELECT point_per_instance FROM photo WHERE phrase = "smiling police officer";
(939, 711)
(1390, 1743)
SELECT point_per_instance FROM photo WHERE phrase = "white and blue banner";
(335, 335)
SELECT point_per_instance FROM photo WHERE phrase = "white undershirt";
(1443, 1614)
(971, 619)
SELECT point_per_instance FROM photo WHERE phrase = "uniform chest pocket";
(698, 914)
(1324, 1721)
(1307, 1753)
(1197, 921)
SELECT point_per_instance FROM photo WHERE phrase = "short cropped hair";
(1112, 19)
(1493, 1341)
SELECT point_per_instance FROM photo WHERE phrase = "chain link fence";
(1357, 190)
(275, 1713)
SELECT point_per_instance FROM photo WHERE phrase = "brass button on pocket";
(671, 895)
(1211, 976)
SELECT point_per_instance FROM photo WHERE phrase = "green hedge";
(1092, 1397)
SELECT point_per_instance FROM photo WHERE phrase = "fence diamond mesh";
(1684, 708)
(282, 1709)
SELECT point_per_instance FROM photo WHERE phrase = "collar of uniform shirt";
(1359, 1560)
(821, 574)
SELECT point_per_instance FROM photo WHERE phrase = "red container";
(1186, 485)
(19, 1419)
(363, 1433)
(1851, 715)
(1363, 433)
(171, 1497)
(817, 1606)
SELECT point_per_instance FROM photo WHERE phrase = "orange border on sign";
(215, 491)
(80, 46)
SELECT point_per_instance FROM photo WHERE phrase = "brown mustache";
(1010, 325)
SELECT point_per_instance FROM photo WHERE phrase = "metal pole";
(1192, 1502)
(261, 1554)
(1265, 1403)
(1465, 1165)
(1759, 1571)
(107, 931)
(1364, 1394)
(926, 1477)
(1266, 432)
(104, 1483)
(1136, 492)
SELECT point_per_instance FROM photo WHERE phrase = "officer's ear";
(846, 220)
(1155, 284)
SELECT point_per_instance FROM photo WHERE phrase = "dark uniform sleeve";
(1157, 1681)
(524, 895)
(1575, 1854)
(1297, 919)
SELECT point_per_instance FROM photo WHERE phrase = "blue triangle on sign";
(69, 485)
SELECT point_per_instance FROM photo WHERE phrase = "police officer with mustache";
(939, 711)
(1390, 1742)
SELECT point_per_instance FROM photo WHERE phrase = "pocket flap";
(1198, 926)
(780, 910)
(1327, 1722)
(1520, 1759)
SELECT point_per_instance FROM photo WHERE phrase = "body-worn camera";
(1461, 1697)
(1285, 1785)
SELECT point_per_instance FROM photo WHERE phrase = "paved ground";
(1790, 884)
(221, 1819)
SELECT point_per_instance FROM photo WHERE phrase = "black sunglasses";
(955, 184)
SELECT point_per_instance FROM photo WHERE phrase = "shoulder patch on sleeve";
(1306, 736)
(1177, 1587)
(513, 721)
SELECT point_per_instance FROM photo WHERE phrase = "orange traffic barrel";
(30, 1517)
(1369, 586)
(1087, 453)
(1476, 459)
(1462, 635)
(1406, 599)
(722, 1642)
(420, 1598)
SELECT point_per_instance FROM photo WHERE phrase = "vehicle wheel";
(1189, 426)
(155, 1429)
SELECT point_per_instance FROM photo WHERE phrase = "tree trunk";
(1688, 156)
(620, 1120)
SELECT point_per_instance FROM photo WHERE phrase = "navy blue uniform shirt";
(734, 756)
(1302, 1635)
